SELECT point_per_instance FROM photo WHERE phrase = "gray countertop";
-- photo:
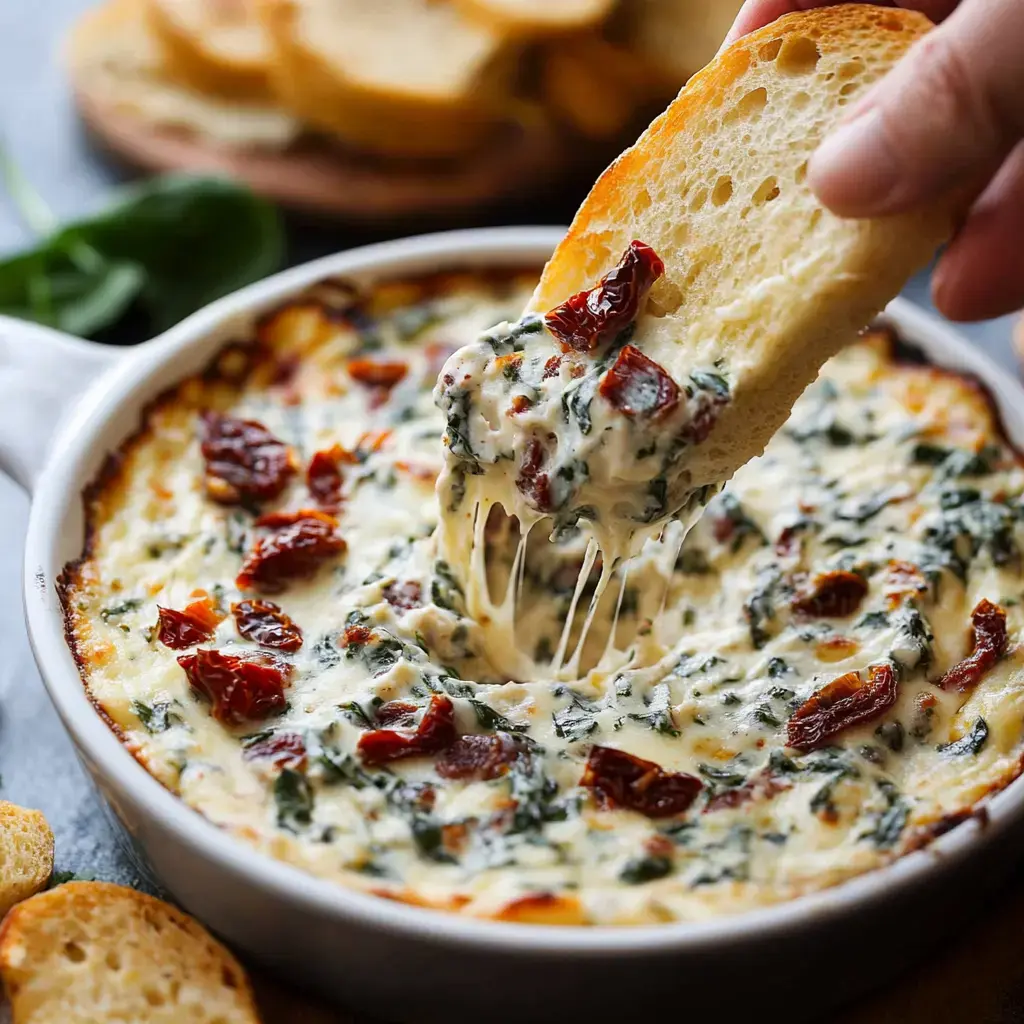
(39, 131)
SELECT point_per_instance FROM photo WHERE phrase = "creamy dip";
(262, 616)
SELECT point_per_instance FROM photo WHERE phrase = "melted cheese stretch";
(880, 463)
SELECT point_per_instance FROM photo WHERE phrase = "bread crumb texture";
(26, 854)
(759, 276)
(93, 951)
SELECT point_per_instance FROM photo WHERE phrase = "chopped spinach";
(294, 798)
(645, 869)
(114, 611)
(658, 713)
(156, 717)
(970, 743)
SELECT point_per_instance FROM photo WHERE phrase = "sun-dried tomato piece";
(356, 636)
(531, 482)
(297, 546)
(238, 689)
(397, 713)
(265, 623)
(789, 542)
(842, 704)
(195, 625)
(404, 595)
(638, 386)
(377, 373)
(763, 785)
(519, 404)
(592, 317)
(619, 779)
(832, 595)
(243, 459)
(988, 645)
(282, 749)
(903, 580)
(479, 757)
(324, 477)
(551, 367)
(435, 732)
(704, 419)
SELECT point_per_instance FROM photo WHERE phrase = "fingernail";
(855, 172)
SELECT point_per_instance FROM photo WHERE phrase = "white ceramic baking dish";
(65, 403)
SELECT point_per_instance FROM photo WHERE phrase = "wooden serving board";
(316, 176)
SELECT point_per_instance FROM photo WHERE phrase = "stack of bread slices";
(394, 107)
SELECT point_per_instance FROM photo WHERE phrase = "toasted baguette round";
(87, 952)
(216, 46)
(26, 854)
(760, 278)
(117, 65)
(396, 77)
(537, 17)
(675, 38)
(593, 85)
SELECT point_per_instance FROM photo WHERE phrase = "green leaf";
(167, 246)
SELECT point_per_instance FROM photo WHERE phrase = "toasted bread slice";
(759, 278)
(116, 63)
(218, 47)
(26, 854)
(538, 17)
(91, 951)
(676, 38)
(398, 77)
(594, 85)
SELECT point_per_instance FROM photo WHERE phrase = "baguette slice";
(117, 64)
(759, 277)
(216, 46)
(407, 78)
(678, 37)
(537, 17)
(87, 952)
(620, 427)
(26, 854)
(594, 85)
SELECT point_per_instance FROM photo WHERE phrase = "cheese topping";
(262, 615)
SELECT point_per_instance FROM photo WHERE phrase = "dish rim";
(57, 495)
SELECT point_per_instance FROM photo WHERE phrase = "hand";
(949, 117)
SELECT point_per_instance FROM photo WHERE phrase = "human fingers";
(949, 110)
(981, 274)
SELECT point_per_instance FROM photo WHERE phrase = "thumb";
(946, 116)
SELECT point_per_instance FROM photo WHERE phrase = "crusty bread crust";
(758, 274)
(537, 17)
(225, 57)
(92, 951)
(26, 854)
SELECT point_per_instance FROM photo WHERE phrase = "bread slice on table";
(118, 66)
(216, 46)
(594, 85)
(678, 37)
(407, 78)
(538, 17)
(26, 854)
(759, 279)
(87, 952)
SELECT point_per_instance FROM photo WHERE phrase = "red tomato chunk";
(619, 779)
(238, 689)
(637, 386)
(435, 732)
(591, 318)
(243, 460)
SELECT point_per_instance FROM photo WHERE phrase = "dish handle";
(42, 374)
